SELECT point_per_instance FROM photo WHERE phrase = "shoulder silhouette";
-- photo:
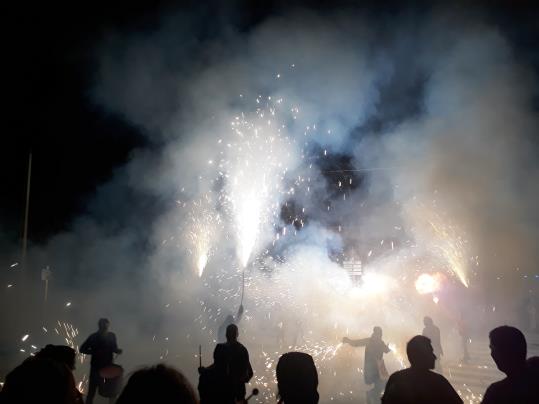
(158, 384)
(508, 349)
(214, 385)
(418, 384)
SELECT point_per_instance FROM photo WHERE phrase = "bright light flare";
(248, 211)
(427, 283)
(375, 284)
(201, 263)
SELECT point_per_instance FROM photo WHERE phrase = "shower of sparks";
(201, 231)
(255, 164)
(452, 248)
(438, 237)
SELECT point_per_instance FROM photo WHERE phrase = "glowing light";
(375, 284)
(25, 337)
(201, 264)
(427, 283)
(248, 221)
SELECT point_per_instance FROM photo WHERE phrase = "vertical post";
(26, 213)
(200, 356)
(46, 290)
(45, 275)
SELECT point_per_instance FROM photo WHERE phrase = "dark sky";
(49, 54)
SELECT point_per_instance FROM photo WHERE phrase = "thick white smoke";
(439, 117)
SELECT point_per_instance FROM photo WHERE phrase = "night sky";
(49, 63)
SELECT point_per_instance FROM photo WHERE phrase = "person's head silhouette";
(427, 321)
(103, 325)
(508, 349)
(232, 333)
(297, 379)
(39, 380)
(157, 381)
(59, 353)
(420, 353)
(377, 332)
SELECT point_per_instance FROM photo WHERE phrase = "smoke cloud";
(287, 148)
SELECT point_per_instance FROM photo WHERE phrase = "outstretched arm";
(355, 342)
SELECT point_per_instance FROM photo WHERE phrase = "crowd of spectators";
(47, 377)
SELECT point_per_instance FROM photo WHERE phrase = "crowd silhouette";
(47, 377)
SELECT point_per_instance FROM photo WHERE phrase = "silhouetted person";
(239, 367)
(221, 333)
(297, 379)
(374, 370)
(102, 346)
(40, 380)
(417, 384)
(59, 353)
(214, 385)
(432, 332)
(64, 355)
(158, 384)
(508, 349)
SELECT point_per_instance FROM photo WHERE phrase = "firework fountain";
(279, 177)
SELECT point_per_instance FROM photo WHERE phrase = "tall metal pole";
(26, 213)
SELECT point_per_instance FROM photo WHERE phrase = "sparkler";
(257, 159)
(202, 228)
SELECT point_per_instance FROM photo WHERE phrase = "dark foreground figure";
(508, 348)
(417, 384)
(214, 385)
(102, 346)
(224, 381)
(158, 384)
(374, 370)
(297, 379)
(45, 378)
